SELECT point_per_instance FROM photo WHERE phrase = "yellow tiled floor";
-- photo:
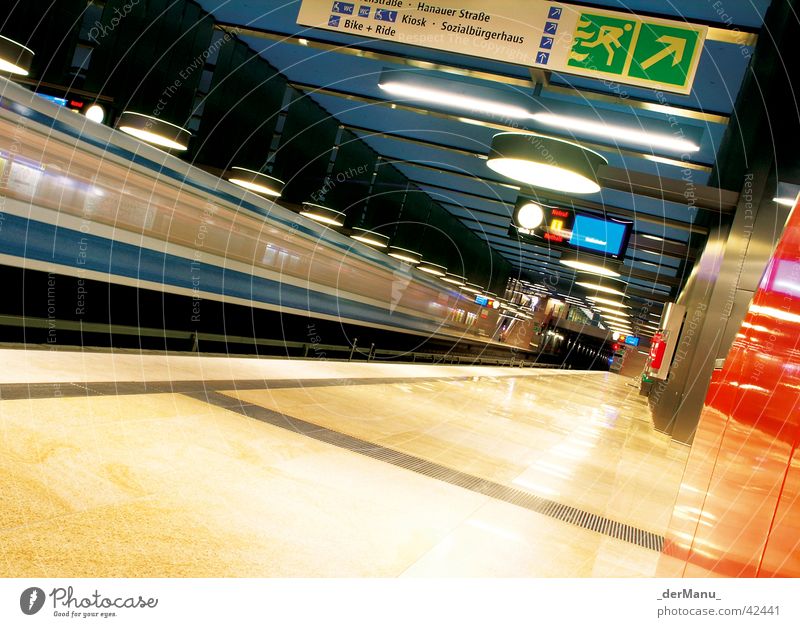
(165, 485)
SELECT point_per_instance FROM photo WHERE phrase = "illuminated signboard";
(607, 237)
(62, 102)
(563, 227)
(630, 340)
(74, 105)
(482, 301)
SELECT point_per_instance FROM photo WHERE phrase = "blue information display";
(632, 341)
(602, 236)
(482, 301)
(564, 227)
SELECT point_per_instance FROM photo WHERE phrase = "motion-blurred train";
(84, 201)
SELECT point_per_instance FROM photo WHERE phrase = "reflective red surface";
(738, 510)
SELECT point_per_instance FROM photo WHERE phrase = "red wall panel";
(738, 510)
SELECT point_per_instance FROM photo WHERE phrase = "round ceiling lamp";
(607, 285)
(403, 254)
(323, 215)
(14, 57)
(590, 264)
(455, 279)
(154, 130)
(432, 268)
(546, 162)
(365, 236)
(255, 181)
(530, 215)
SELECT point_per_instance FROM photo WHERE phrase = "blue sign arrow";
(550, 28)
(555, 13)
(542, 58)
(547, 42)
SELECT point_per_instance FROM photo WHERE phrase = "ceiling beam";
(379, 102)
(557, 198)
(704, 197)
(417, 62)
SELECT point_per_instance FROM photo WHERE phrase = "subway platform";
(123, 464)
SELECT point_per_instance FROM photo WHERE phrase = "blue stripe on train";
(31, 239)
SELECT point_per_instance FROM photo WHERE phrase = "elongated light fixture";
(598, 284)
(786, 202)
(621, 134)
(373, 238)
(607, 301)
(613, 312)
(154, 130)
(255, 181)
(448, 98)
(403, 254)
(545, 162)
(589, 264)
(432, 268)
(14, 57)
(323, 215)
(453, 94)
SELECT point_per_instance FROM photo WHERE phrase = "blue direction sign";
(385, 16)
(363, 11)
(554, 13)
(345, 8)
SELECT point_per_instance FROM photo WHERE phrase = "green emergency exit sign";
(635, 50)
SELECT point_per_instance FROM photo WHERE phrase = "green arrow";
(672, 45)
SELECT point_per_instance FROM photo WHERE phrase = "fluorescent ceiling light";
(786, 202)
(607, 301)
(591, 268)
(600, 288)
(443, 97)
(653, 237)
(613, 312)
(617, 133)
